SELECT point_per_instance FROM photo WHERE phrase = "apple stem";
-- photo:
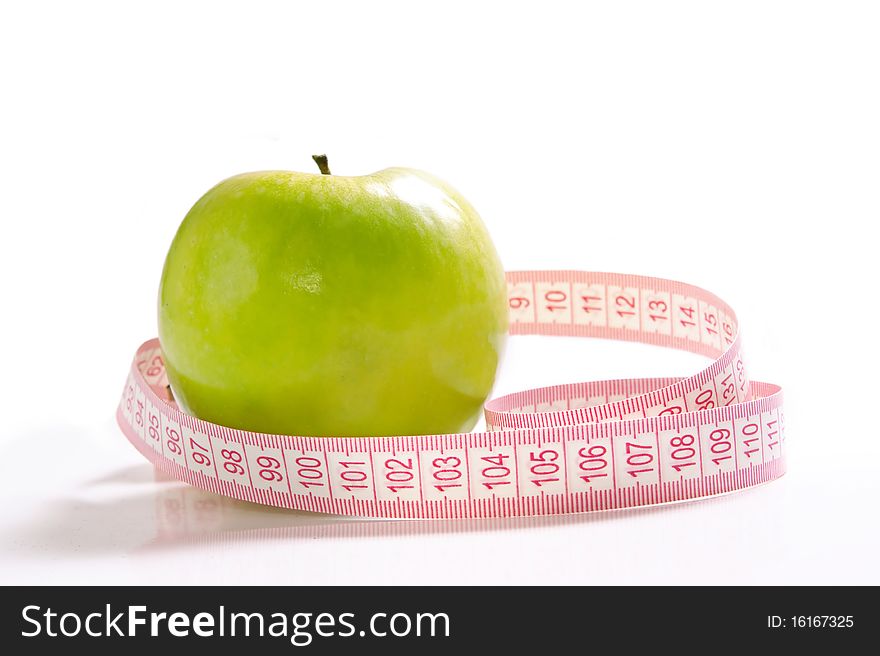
(321, 161)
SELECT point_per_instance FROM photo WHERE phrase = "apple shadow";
(136, 474)
(149, 512)
(129, 509)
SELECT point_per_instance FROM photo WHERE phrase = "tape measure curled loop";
(567, 448)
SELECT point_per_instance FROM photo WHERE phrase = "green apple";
(316, 304)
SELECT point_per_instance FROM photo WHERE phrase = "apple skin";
(324, 305)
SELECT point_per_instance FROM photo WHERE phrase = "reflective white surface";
(736, 150)
(109, 517)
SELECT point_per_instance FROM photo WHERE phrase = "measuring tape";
(563, 449)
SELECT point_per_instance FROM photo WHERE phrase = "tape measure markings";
(564, 448)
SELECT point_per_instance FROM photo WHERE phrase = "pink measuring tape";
(563, 449)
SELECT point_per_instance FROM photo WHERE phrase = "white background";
(735, 146)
